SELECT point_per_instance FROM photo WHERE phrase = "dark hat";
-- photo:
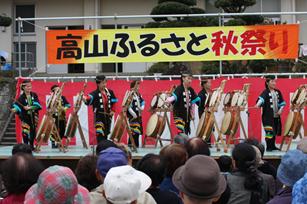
(110, 158)
(200, 177)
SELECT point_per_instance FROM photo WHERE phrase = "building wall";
(67, 8)
(301, 5)
(6, 33)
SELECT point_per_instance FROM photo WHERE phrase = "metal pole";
(19, 46)
(220, 62)
(116, 64)
(170, 15)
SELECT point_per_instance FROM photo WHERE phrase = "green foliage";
(234, 6)
(260, 66)
(174, 24)
(210, 67)
(228, 67)
(5, 21)
(301, 66)
(166, 7)
(160, 67)
(186, 2)
(252, 20)
(177, 68)
(196, 10)
(152, 25)
(235, 22)
(170, 8)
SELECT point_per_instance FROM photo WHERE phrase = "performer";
(59, 115)
(27, 107)
(103, 101)
(134, 112)
(184, 99)
(203, 95)
(272, 104)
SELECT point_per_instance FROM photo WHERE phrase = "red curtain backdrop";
(149, 87)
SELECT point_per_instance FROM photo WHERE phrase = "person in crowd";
(267, 179)
(184, 99)
(204, 96)
(104, 144)
(127, 152)
(199, 180)
(153, 166)
(57, 185)
(19, 173)
(299, 192)
(59, 114)
(124, 184)
(226, 167)
(302, 145)
(21, 148)
(27, 107)
(272, 103)
(225, 164)
(173, 155)
(292, 167)
(195, 146)
(107, 159)
(103, 101)
(86, 172)
(134, 112)
(264, 166)
(246, 185)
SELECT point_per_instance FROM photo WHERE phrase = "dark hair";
(24, 82)
(100, 78)
(196, 146)
(21, 148)
(174, 156)
(133, 83)
(245, 160)
(20, 172)
(86, 172)
(267, 80)
(104, 144)
(253, 141)
(225, 163)
(204, 81)
(184, 74)
(53, 87)
(153, 166)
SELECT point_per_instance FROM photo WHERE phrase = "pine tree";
(166, 7)
(5, 21)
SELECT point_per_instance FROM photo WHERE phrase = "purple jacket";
(284, 196)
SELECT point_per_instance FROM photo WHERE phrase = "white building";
(33, 37)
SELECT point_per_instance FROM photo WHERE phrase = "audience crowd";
(182, 173)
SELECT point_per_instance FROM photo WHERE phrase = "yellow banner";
(173, 44)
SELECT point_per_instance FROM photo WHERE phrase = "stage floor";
(77, 152)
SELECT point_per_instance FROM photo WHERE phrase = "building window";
(25, 11)
(28, 55)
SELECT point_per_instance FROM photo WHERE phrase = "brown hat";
(200, 178)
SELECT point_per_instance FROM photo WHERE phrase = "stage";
(70, 158)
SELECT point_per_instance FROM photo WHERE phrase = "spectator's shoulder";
(146, 198)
